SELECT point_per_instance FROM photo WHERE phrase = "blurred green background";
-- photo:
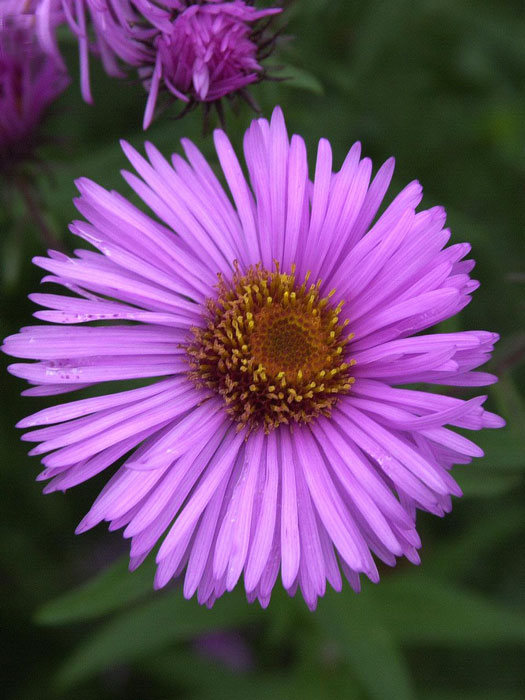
(440, 84)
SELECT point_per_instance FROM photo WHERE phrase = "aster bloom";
(269, 332)
(29, 82)
(208, 52)
(191, 51)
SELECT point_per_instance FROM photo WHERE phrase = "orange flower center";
(274, 350)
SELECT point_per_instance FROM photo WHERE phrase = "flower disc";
(272, 349)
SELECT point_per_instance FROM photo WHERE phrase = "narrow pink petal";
(312, 573)
(219, 466)
(290, 539)
(265, 527)
(399, 449)
(95, 443)
(242, 530)
(331, 509)
(201, 554)
(153, 93)
(207, 415)
(240, 191)
(320, 195)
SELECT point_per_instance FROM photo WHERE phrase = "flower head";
(191, 51)
(209, 51)
(29, 82)
(275, 334)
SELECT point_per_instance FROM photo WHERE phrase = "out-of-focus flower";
(226, 647)
(192, 51)
(30, 81)
(271, 434)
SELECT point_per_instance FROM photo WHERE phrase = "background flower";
(30, 81)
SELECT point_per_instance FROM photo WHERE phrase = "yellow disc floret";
(273, 350)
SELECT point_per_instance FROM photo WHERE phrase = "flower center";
(273, 350)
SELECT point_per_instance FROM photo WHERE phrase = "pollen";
(273, 349)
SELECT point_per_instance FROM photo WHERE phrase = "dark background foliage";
(440, 85)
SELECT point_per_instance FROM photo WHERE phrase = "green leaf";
(149, 628)
(367, 644)
(301, 79)
(110, 590)
(418, 609)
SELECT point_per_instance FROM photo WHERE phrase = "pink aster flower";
(29, 82)
(191, 51)
(208, 52)
(271, 334)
